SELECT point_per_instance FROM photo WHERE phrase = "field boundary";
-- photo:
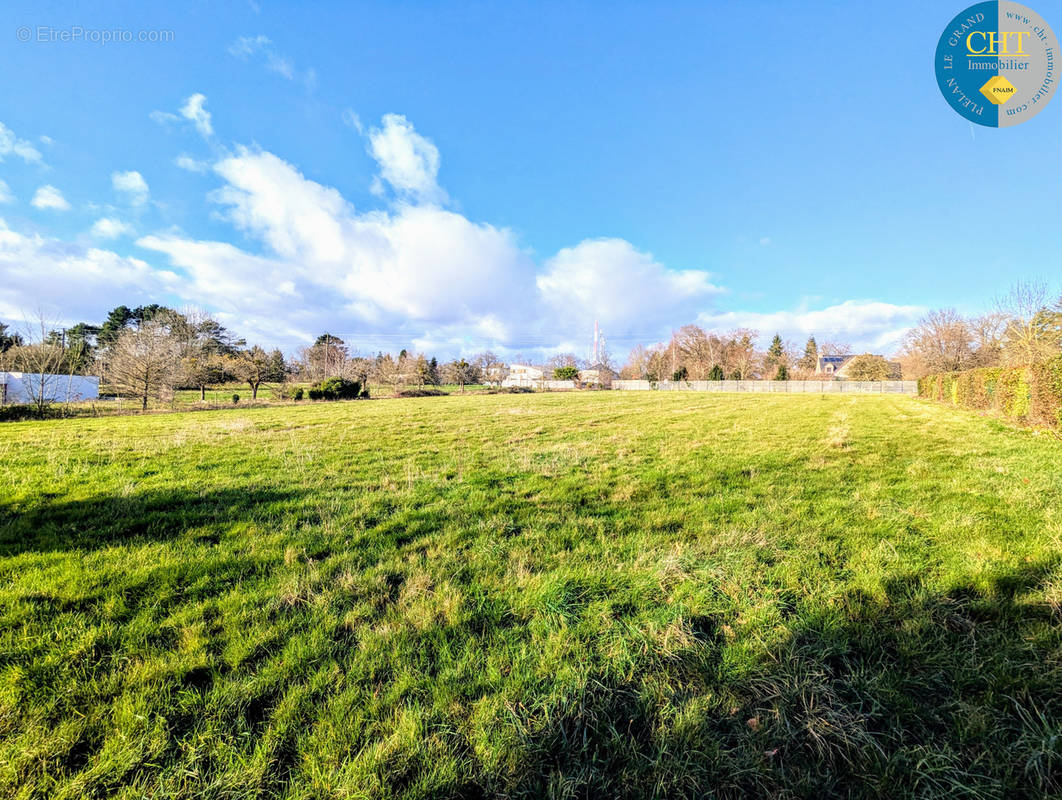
(795, 387)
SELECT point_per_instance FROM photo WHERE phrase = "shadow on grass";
(154, 516)
(917, 694)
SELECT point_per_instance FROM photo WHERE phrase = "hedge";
(1030, 394)
(338, 389)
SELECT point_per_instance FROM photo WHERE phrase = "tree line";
(147, 352)
(695, 354)
(1024, 327)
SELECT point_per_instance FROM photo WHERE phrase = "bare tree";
(637, 364)
(988, 331)
(742, 359)
(491, 367)
(143, 362)
(940, 342)
(1033, 331)
(835, 347)
(388, 370)
(42, 361)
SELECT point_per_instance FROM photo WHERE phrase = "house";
(596, 377)
(829, 365)
(523, 375)
(836, 367)
(25, 387)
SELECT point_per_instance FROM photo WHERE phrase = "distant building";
(25, 387)
(836, 367)
(523, 375)
(596, 377)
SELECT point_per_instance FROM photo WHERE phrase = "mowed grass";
(580, 595)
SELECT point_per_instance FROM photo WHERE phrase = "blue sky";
(454, 176)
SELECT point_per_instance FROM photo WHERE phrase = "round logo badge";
(998, 63)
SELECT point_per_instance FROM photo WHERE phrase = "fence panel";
(796, 387)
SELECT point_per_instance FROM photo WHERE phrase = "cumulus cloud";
(411, 265)
(5, 193)
(413, 271)
(408, 161)
(132, 185)
(194, 109)
(415, 267)
(81, 281)
(12, 145)
(48, 197)
(612, 281)
(110, 228)
(866, 324)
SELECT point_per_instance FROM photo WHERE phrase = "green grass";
(579, 595)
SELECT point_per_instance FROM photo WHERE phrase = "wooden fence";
(794, 387)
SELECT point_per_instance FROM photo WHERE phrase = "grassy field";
(221, 397)
(578, 595)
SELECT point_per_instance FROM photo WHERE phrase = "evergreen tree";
(716, 374)
(8, 338)
(776, 352)
(782, 374)
(116, 322)
(809, 362)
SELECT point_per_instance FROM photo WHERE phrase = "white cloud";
(412, 273)
(194, 109)
(352, 120)
(5, 193)
(765, 241)
(110, 228)
(12, 145)
(416, 268)
(408, 161)
(419, 262)
(247, 48)
(132, 185)
(186, 162)
(613, 282)
(82, 282)
(48, 197)
(865, 324)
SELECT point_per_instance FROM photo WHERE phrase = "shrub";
(287, 391)
(337, 389)
(18, 413)
(235, 399)
(1031, 394)
(716, 374)
(565, 373)
(680, 374)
